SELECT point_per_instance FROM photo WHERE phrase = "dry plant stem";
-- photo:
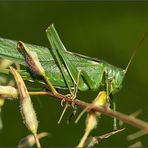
(82, 142)
(50, 86)
(120, 116)
(136, 135)
(91, 141)
(65, 108)
(80, 115)
(37, 140)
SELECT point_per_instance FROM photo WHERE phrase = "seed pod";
(100, 100)
(34, 64)
(8, 92)
(31, 59)
(26, 108)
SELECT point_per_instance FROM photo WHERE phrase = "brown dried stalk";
(120, 116)
(89, 107)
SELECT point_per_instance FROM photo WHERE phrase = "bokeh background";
(104, 30)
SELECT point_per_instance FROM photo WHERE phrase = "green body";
(63, 69)
(95, 69)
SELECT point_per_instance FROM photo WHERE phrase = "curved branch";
(120, 116)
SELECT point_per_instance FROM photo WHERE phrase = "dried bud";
(91, 121)
(31, 59)
(8, 92)
(26, 108)
(34, 64)
(101, 99)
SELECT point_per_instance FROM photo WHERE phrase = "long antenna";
(135, 50)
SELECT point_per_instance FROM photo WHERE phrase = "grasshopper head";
(118, 75)
(116, 82)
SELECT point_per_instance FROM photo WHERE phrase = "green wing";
(9, 51)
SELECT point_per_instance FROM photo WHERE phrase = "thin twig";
(120, 116)
(37, 141)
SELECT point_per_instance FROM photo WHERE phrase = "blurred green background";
(105, 30)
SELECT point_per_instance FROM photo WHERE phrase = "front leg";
(110, 97)
(107, 82)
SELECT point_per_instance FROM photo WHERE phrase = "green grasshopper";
(67, 70)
